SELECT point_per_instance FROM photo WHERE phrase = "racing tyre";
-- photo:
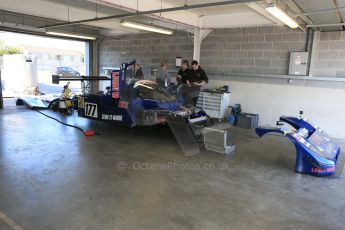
(19, 102)
(54, 106)
(148, 117)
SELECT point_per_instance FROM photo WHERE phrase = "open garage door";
(27, 63)
(1, 99)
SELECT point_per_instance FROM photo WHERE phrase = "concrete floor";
(52, 177)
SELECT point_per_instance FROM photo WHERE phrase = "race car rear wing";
(56, 78)
(85, 81)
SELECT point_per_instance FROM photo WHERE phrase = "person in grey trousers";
(163, 78)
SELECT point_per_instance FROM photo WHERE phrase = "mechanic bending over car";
(174, 88)
(195, 80)
(163, 78)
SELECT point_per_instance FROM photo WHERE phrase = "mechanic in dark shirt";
(184, 72)
(197, 78)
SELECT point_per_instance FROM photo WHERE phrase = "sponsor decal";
(323, 170)
(91, 110)
(80, 102)
(286, 130)
(320, 149)
(298, 137)
(115, 94)
(109, 117)
(123, 104)
(115, 85)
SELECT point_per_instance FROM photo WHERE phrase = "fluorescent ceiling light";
(71, 35)
(21, 27)
(146, 27)
(282, 16)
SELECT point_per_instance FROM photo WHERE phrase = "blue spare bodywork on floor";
(316, 153)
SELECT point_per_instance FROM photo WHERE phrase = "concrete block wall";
(147, 48)
(258, 50)
(329, 54)
(261, 50)
(254, 50)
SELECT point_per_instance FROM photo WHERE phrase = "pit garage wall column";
(199, 35)
(95, 58)
(197, 44)
(92, 63)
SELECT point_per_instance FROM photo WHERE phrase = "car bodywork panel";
(316, 153)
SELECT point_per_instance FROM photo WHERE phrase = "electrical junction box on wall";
(298, 63)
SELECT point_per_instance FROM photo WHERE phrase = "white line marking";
(9, 221)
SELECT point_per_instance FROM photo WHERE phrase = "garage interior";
(54, 177)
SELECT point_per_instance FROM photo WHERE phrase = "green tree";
(9, 49)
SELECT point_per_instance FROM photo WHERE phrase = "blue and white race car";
(140, 103)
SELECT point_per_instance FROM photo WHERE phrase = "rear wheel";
(19, 102)
(148, 117)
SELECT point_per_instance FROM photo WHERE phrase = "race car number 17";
(91, 110)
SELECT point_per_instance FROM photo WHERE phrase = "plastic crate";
(247, 120)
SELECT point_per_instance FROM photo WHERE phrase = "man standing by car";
(197, 78)
(163, 78)
(138, 73)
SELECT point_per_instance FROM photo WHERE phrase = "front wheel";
(54, 105)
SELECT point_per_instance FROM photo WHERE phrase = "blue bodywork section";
(297, 123)
(316, 153)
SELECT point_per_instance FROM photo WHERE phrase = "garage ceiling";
(325, 17)
(226, 16)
